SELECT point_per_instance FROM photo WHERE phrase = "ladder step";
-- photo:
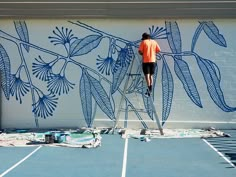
(131, 110)
(130, 74)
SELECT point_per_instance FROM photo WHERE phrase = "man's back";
(149, 48)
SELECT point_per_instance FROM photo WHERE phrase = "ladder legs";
(123, 98)
(156, 118)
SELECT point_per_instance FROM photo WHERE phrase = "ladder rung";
(131, 110)
(130, 74)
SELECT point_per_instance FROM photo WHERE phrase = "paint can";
(57, 136)
(62, 138)
(49, 138)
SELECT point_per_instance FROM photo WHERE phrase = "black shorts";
(149, 68)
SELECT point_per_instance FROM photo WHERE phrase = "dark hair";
(145, 36)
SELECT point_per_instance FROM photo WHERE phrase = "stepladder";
(141, 105)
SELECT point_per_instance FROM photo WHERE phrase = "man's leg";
(150, 82)
(147, 77)
(152, 71)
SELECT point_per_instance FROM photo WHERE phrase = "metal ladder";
(137, 59)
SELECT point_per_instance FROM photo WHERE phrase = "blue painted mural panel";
(72, 73)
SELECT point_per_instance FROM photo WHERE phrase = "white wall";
(215, 42)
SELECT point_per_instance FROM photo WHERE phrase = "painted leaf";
(136, 82)
(74, 46)
(5, 72)
(155, 76)
(101, 97)
(121, 68)
(85, 45)
(22, 31)
(185, 76)
(215, 69)
(146, 100)
(167, 91)
(86, 98)
(196, 36)
(135, 75)
(212, 32)
(135, 79)
(174, 37)
(213, 84)
(118, 77)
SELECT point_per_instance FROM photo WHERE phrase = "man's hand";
(140, 52)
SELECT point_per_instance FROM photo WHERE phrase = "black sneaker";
(147, 93)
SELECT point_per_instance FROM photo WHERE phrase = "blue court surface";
(117, 157)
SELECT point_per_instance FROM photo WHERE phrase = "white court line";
(18, 163)
(125, 158)
(218, 152)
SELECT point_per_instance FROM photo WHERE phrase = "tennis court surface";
(129, 157)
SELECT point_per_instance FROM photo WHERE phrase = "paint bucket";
(62, 138)
(57, 137)
(49, 138)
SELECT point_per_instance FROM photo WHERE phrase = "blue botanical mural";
(113, 69)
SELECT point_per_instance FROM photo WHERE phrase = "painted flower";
(157, 33)
(58, 84)
(45, 106)
(62, 36)
(125, 56)
(41, 69)
(18, 87)
(105, 64)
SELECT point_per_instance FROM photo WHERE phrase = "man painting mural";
(148, 49)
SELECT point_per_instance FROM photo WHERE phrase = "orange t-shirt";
(149, 48)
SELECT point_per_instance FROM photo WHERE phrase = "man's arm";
(158, 49)
(140, 52)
